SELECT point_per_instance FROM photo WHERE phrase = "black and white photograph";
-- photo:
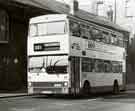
(67, 55)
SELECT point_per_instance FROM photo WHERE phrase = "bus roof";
(102, 21)
(47, 18)
(99, 20)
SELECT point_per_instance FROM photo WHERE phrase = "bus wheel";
(116, 87)
(86, 88)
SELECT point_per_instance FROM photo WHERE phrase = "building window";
(4, 27)
(128, 8)
(100, 8)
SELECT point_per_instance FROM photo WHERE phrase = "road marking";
(95, 99)
(24, 109)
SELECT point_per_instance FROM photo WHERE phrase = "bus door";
(75, 74)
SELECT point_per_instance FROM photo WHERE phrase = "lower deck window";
(102, 66)
(87, 65)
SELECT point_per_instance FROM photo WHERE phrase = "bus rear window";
(47, 28)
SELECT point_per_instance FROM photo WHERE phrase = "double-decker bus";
(72, 55)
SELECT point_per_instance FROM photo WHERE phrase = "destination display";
(52, 46)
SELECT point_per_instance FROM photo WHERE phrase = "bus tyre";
(116, 87)
(86, 88)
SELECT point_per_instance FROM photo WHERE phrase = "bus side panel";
(102, 82)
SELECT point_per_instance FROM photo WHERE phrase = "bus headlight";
(65, 83)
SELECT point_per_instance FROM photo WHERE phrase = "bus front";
(48, 67)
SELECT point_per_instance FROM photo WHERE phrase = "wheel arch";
(116, 82)
(86, 82)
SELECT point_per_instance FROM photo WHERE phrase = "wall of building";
(13, 56)
(125, 14)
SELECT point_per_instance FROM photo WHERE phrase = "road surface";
(122, 102)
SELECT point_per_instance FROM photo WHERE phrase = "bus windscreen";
(50, 64)
(47, 28)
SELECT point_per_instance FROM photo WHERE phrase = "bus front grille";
(53, 90)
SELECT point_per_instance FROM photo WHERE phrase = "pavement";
(130, 90)
(9, 95)
(12, 95)
(17, 93)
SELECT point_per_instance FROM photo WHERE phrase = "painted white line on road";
(95, 99)
(24, 109)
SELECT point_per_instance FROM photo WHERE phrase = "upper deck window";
(74, 28)
(48, 28)
(85, 31)
(97, 34)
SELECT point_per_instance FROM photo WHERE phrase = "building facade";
(119, 11)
